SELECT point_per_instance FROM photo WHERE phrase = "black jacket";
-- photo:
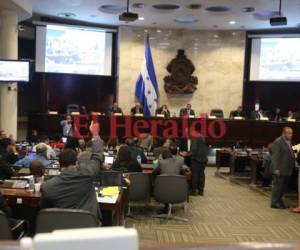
(198, 150)
(283, 159)
(132, 166)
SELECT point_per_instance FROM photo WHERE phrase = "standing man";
(67, 126)
(198, 155)
(283, 159)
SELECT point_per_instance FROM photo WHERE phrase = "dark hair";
(165, 154)
(72, 143)
(129, 141)
(44, 138)
(37, 168)
(173, 150)
(67, 157)
(124, 155)
(113, 142)
(5, 142)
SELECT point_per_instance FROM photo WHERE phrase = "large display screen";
(275, 59)
(14, 71)
(73, 50)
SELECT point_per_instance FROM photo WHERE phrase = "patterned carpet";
(227, 213)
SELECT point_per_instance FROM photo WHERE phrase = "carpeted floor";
(227, 213)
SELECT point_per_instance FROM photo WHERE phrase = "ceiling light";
(141, 18)
(232, 22)
(158, 31)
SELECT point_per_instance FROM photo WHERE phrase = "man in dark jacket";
(198, 154)
(74, 187)
(283, 159)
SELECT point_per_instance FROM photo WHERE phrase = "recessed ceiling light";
(141, 18)
(232, 22)
(216, 36)
(158, 31)
(145, 31)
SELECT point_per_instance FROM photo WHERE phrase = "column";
(8, 91)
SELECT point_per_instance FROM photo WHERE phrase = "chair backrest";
(51, 219)
(217, 112)
(139, 189)
(170, 189)
(5, 231)
(72, 108)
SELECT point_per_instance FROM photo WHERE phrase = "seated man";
(171, 163)
(187, 111)
(41, 155)
(275, 115)
(74, 187)
(290, 116)
(37, 169)
(114, 109)
(137, 109)
(8, 150)
(166, 144)
(259, 114)
(135, 151)
(237, 113)
(6, 170)
(50, 152)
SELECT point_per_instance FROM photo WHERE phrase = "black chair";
(170, 189)
(217, 113)
(139, 189)
(51, 219)
(11, 229)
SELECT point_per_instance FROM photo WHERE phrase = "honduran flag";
(146, 89)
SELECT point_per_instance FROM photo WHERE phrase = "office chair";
(11, 229)
(139, 189)
(217, 112)
(73, 108)
(51, 219)
(165, 192)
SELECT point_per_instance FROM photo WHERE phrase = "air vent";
(194, 6)
(112, 9)
(166, 6)
(218, 9)
(138, 5)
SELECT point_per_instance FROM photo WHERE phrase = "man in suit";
(73, 188)
(135, 151)
(258, 115)
(114, 109)
(171, 163)
(137, 109)
(187, 111)
(198, 154)
(239, 112)
(283, 160)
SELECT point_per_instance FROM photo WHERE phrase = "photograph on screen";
(275, 59)
(73, 50)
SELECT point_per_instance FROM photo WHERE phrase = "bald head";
(287, 133)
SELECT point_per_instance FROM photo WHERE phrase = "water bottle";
(31, 184)
(139, 159)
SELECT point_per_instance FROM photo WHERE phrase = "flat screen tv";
(14, 71)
